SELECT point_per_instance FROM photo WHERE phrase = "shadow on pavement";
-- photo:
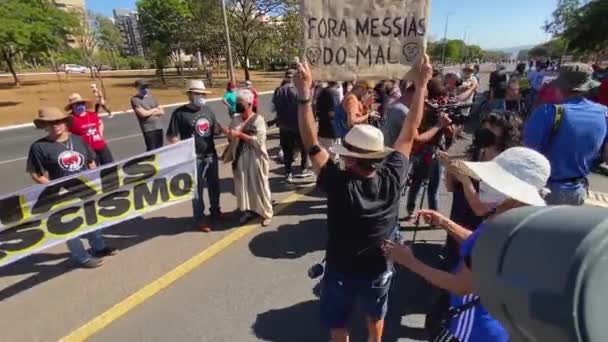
(297, 323)
(122, 236)
(290, 241)
(410, 295)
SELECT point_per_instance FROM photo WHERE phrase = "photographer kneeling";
(435, 134)
(362, 209)
(519, 174)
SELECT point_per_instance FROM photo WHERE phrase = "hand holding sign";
(425, 73)
(303, 80)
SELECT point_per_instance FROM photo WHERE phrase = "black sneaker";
(106, 252)
(92, 262)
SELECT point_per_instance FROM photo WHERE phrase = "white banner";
(42, 216)
(354, 39)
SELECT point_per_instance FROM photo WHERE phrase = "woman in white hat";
(519, 175)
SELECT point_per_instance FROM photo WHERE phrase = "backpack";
(340, 122)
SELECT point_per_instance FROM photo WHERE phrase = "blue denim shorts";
(339, 292)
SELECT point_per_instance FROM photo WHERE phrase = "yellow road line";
(115, 312)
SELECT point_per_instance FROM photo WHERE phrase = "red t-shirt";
(549, 94)
(255, 97)
(86, 126)
(603, 95)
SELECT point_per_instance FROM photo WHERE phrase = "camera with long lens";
(454, 111)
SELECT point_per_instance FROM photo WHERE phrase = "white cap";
(246, 95)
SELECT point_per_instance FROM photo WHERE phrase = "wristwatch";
(304, 101)
(314, 150)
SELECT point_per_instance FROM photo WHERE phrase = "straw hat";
(76, 98)
(197, 87)
(519, 173)
(50, 114)
(363, 142)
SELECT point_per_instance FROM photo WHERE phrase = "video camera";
(543, 273)
(454, 111)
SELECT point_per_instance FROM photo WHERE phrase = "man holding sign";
(362, 208)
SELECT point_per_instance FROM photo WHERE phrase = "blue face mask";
(144, 91)
(79, 108)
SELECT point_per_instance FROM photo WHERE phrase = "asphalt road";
(172, 283)
(122, 132)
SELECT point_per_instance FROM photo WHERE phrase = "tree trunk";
(114, 60)
(9, 62)
(246, 68)
(162, 75)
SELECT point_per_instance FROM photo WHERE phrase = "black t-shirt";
(498, 83)
(361, 214)
(187, 122)
(59, 159)
(328, 100)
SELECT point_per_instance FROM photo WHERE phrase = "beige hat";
(363, 142)
(76, 98)
(468, 67)
(50, 114)
(197, 87)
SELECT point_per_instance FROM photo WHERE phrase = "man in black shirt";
(197, 120)
(329, 99)
(286, 105)
(362, 208)
(61, 154)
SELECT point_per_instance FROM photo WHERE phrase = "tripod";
(425, 187)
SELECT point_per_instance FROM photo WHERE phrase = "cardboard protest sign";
(42, 216)
(355, 39)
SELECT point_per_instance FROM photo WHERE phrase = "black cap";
(142, 84)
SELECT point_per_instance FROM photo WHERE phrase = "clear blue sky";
(493, 23)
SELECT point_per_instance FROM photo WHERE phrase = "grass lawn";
(20, 104)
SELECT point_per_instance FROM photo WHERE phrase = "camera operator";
(436, 133)
(519, 175)
(362, 209)
(461, 90)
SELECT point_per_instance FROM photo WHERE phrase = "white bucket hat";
(519, 173)
(363, 142)
(197, 87)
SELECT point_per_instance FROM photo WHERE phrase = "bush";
(135, 63)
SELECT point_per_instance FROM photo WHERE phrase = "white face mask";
(198, 100)
(491, 197)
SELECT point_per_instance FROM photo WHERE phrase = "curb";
(130, 111)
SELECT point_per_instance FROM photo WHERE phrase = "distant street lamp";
(230, 63)
(445, 36)
(464, 40)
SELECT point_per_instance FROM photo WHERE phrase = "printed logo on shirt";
(71, 161)
(202, 126)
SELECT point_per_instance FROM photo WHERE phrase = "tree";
(88, 41)
(206, 30)
(110, 38)
(588, 31)
(33, 26)
(252, 21)
(163, 25)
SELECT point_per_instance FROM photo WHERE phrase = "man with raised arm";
(362, 208)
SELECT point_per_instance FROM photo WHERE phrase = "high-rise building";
(127, 23)
(75, 6)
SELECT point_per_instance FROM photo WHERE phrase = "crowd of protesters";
(368, 144)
